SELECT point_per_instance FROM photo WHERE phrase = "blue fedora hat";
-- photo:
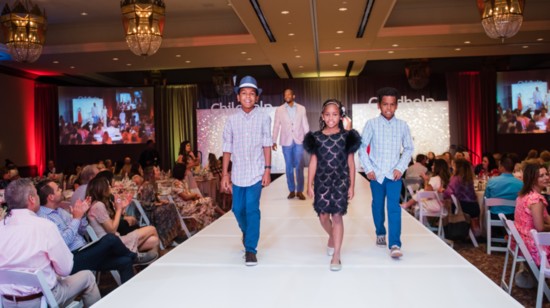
(248, 82)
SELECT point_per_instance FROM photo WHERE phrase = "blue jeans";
(293, 160)
(246, 207)
(392, 190)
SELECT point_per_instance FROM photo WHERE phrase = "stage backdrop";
(427, 118)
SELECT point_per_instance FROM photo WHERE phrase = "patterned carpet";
(491, 265)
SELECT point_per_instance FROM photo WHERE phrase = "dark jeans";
(109, 253)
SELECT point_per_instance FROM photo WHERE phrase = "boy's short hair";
(387, 91)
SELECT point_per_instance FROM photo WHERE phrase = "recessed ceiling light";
(524, 46)
(290, 23)
(540, 39)
(72, 67)
(390, 51)
(285, 12)
(298, 56)
(337, 47)
(115, 59)
(467, 42)
(301, 66)
(55, 62)
(187, 61)
(344, 2)
(335, 65)
(295, 49)
(339, 31)
(248, 59)
(178, 56)
(84, 14)
(395, 45)
(458, 49)
(243, 52)
(291, 34)
(343, 9)
(128, 64)
(337, 54)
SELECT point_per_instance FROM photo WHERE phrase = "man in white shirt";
(418, 168)
(29, 243)
(291, 122)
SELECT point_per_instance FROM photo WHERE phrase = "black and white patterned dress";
(331, 182)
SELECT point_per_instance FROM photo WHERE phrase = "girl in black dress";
(331, 177)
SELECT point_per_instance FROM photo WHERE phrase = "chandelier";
(24, 27)
(501, 18)
(143, 22)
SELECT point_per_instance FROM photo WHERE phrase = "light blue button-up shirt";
(386, 139)
(291, 111)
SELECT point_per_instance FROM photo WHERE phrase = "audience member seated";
(191, 204)
(531, 206)
(504, 186)
(52, 173)
(126, 169)
(109, 253)
(488, 166)
(29, 243)
(437, 182)
(214, 166)
(73, 177)
(104, 217)
(462, 186)
(418, 168)
(87, 174)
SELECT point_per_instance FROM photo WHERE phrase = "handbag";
(456, 224)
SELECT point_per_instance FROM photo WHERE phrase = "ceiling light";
(540, 39)
(298, 56)
(390, 51)
(524, 46)
(72, 67)
(301, 66)
(24, 27)
(395, 45)
(335, 65)
(337, 54)
(295, 49)
(343, 9)
(248, 59)
(243, 52)
(128, 64)
(467, 42)
(178, 56)
(339, 31)
(291, 34)
(458, 49)
(501, 19)
(337, 47)
(285, 12)
(84, 14)
(187, 61)
(115, 59)
(143, 22)
(55, 62)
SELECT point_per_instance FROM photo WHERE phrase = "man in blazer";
(291, 123)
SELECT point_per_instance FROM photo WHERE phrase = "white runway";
(293, 269)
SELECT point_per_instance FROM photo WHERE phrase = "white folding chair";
(34, 280)
(489, 222)
(415, 185)
(181, 218)
(542, 239)
(470, 233)
(425, 199)
(517, 258)
(93, 237)
(143, 219)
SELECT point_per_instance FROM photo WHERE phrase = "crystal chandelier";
(501, 18)
(24, 27)
(143, 25)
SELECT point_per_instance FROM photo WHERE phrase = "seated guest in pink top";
(29, 243)
(291, 122)
(531, 206)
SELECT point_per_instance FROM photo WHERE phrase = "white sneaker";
(395, 252)
(381, 241)
(330, 251)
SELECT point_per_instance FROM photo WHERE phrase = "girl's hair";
(338, 104)
(442, 169)
(98, 190)
(530, 176)
(464, 171)
(212, 160)
(492, 162)
(182, 148)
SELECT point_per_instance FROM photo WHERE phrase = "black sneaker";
(250, 259)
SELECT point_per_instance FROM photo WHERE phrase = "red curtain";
(465, 105)
(45, 124)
